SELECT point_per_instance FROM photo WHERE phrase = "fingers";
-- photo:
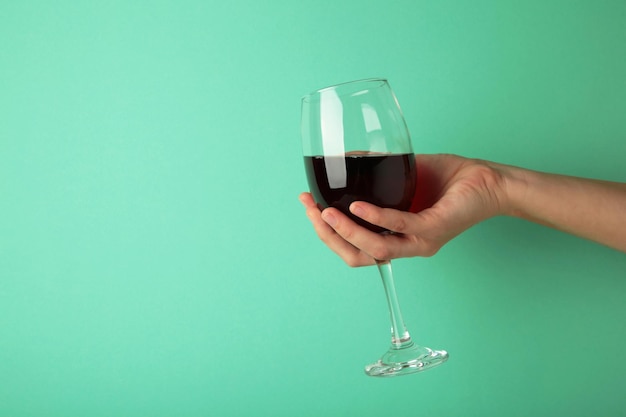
(341, 228)
(307, 200)
(390, 219)
(358, 246)
(412, 235)
(346, 251)
(375, 245)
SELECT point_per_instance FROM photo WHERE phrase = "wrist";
(512, 185)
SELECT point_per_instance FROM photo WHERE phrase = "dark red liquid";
(386, 180)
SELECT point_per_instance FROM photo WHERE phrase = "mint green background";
(155, 261)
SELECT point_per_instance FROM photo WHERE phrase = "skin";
(454, 193)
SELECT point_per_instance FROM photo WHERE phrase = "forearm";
(591, 209)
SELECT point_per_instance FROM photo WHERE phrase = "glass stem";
(400, 337)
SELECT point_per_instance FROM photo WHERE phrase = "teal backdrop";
(155, 260)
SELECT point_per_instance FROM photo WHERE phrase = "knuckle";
(429, 253)
(430, 249)
(323, 238)
(312, 212)
(346, 232)
(357, 260)
(381, 252)
(352, 261)
(373, 216)
(399, 225)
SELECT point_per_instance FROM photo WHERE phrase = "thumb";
(394, 220)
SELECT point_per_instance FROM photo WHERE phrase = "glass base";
(406, 360)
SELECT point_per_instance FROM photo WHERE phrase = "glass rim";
(341, 86)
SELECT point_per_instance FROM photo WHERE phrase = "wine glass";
(357, 147)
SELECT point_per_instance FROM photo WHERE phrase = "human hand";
(452, 194)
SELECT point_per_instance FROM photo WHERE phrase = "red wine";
(386, 180)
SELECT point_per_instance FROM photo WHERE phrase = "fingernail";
(356, 209)
(329, 218)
